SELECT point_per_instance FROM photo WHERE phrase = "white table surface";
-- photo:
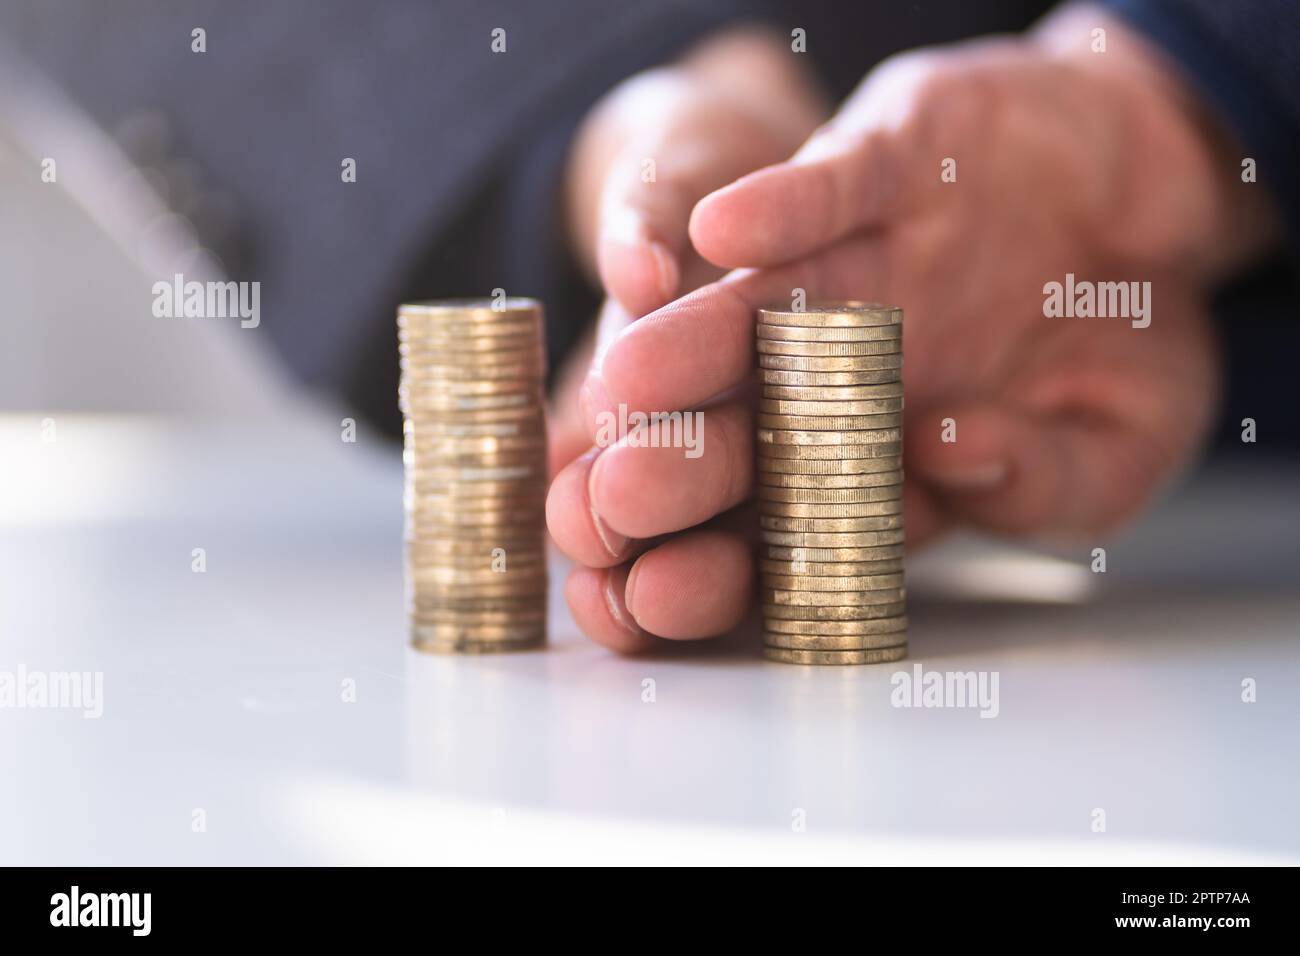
(223, 690)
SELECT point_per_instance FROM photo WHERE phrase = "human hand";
(647, 152)
(1097, 165)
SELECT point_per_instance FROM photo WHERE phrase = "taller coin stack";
(830, 484)
(475, 451)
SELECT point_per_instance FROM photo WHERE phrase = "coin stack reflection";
(471, 393)
(830, 484)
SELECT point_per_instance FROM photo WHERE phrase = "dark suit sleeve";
(1243, 56)
(439, 120)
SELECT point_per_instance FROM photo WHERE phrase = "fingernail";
(623, 225)
(629, 590)
(615, 590)
(614, 542)
(666, 267)
(974, 478)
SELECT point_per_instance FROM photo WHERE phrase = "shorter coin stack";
(475, 452)
(830, 484)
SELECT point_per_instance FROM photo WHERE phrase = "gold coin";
(480, 308)
(832, 452)
(440, 425)
(475, 444)
(416, 353)
(441, 595)
(533, 374)
(830, 525)
(477, 647)
(847, 569)
(830, 423)
(859, 363)
(441, 428)
(431, 378)
(835, 583)
(438, 575)
(459, 546)
(818, 539)
(834, 642)
(872, 436)
(425, 457)
(471, 612)
(848, 555)
(476, 348)
(445, 499)
(849, 509)
(514, 517)
(472, 602)
(830, 496)
(434, 591)
(788, 333)
(523, 348)
(488, 539)
(523, 415)
(772, 376)
(845, 466)
(881, 479)
(832, 598)
(484, 573)
(423, 404)
(830, 612)
(477, 389)
(420, 407)
(506, 539)
(463, 640)
(829, 349)
(869, 627)
(491, 538)
(479, 632)
(472, 567)
(835, 393)
(816, 409)
(467, 404)
(532, 471)
(441, 614)
(413, 326)
(441, 496)
(883, 655)
(441, 573)
(850, 314)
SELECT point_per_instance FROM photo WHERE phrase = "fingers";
(566, 438)
(703, 344)
(699, 465)
(640, 491)
(575, 526)
(1012, 472)
(697, 585)
(856, 172)
(788, 211)
(599, 608)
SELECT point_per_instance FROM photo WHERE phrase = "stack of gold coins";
(830, 484)
(475, 452)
